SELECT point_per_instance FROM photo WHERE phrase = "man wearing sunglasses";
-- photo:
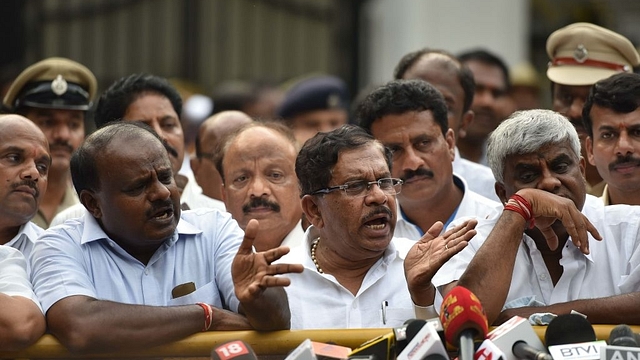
(356, 274)
(410, 118)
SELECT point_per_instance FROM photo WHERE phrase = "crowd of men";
(295, 219)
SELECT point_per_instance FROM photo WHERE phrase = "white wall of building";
(392, 28)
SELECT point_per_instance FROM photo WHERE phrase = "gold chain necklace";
(314, 246)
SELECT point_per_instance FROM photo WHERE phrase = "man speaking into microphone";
(554, 249)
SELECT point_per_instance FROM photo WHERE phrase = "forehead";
(13, 131)
(579, 91)
(435, 69)
(358, 162)
(149, 105)
(487, 75)
(393, 127)
(259, 143)
(606, 119)
(547, 153)
(128, 151)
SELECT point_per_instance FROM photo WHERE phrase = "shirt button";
(543, 277)
(355, 305)
(146, 271)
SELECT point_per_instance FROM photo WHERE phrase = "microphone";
(622, 335)
(237, 350)
(311, 350)
(489, 351)
(385, 347)
(304, 351)
(571, 336)
(424, 344)
(623, 345)
(464, 320)
(569, 329)
(517, 340)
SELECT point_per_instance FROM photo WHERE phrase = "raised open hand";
(429, 253)
(253, 272)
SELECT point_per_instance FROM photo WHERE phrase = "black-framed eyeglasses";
(390, 186)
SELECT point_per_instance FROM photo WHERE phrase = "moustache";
(170, 149)
(260, 202)
(627, 159)
(408, 174)
(376, 211)
(158, 206)
(61, 145)
(30, 183)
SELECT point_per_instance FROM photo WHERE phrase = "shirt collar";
(568, 246)
(458, 182)
(28, 229)
(312, 233)
(92, 230)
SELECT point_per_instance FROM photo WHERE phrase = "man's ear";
(195, 165)
(450, 138)
(588, 144)
(91, 203)
(311, 210)
(501, 192)
(467, 118)
(583, 164)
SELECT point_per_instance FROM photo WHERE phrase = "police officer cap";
(316, 93)
(53, 83)
(583, 54)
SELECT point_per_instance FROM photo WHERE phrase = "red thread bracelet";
(208, 315)
(521, 206)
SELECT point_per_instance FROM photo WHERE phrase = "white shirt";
(294, 237)
(14, 280)
(471, 205)
(612, 267)
(479, 177)
(318, 301)
(194, 198)
(78, 258)
(23, 241)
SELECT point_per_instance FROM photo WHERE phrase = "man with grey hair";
(543, 254)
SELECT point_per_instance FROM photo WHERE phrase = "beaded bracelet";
(520, 205)
(208, 315)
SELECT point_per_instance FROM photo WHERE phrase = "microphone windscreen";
(461, 310)
(569, 329)
(237, 350)
(622, 335)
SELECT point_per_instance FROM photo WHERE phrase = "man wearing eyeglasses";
(354, 269)
(410, 118)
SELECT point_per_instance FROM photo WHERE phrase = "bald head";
(218, 126)
(211, 134)
(11, 121)
(449, 76)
